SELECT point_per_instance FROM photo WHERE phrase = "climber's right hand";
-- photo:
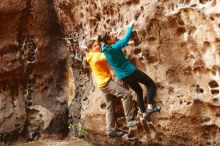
(132, 23)
(131, 43)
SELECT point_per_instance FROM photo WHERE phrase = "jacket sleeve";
(124, 41)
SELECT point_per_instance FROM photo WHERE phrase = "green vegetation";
(81, 132)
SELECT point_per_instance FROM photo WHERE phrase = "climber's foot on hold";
(132, 123)
(151, 111)
(115, 133)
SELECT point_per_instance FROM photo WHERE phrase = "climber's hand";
(131, 43)
(132, 23)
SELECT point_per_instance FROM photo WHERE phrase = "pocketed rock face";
(32, 70)
(41, 56)
(178, 46)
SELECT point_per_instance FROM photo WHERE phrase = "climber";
(110, 89)
(127, 72)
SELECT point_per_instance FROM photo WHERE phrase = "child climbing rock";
(127, 72)
(110, 89)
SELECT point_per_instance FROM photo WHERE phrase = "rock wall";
(42, 69)
(177, 45)
(32, 70)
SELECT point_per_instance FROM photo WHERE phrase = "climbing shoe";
(115, 134)
(131, 123)
(151, 111)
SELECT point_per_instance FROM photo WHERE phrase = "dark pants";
(133, 82)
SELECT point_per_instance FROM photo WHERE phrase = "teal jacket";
(116, 58)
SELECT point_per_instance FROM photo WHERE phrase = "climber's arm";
(124, 41)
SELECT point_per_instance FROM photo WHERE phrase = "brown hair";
(104, 37)
(90, 44)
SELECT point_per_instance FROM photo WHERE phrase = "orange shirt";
(100, 67)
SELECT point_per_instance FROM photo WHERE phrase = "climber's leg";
(119, 92)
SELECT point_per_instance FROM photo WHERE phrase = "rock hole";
(29, 87)
(183, 44)
(103, 106)
(188, 57)
(29, 103)
(203, 1)
(31, 58)
(31, 52)
(194, 5)
(213, 84)
(29, 98)
(181, 30)
(98, 16)
(151, 39)
(136, 1)
(214, 92)
(212, 18)
(199, 90)
(187, 10)
(25, 92)
(17, 125)
(214, 3)
(208, 143)
(135, 38)
(214, 73)
(137, 50)
(170, 72)
(112, 12)
(108, 21)
(125, 52)
(181, 1)
(206, 44)
(192, 29)
(95, 6)
(170, 90)
(141, 58)
(187, 71)
(219, 25)
(180, 22)
(129, 2)
(217, 115)
(31, 92)
(94, 23)
(205, 119)
(188, 103)
(187, 1)
(125, 128)
(137, 15)
(181, 102)
(215, 100)
(86, 98)
(81, 14)
(112, 22)
(131, 134)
